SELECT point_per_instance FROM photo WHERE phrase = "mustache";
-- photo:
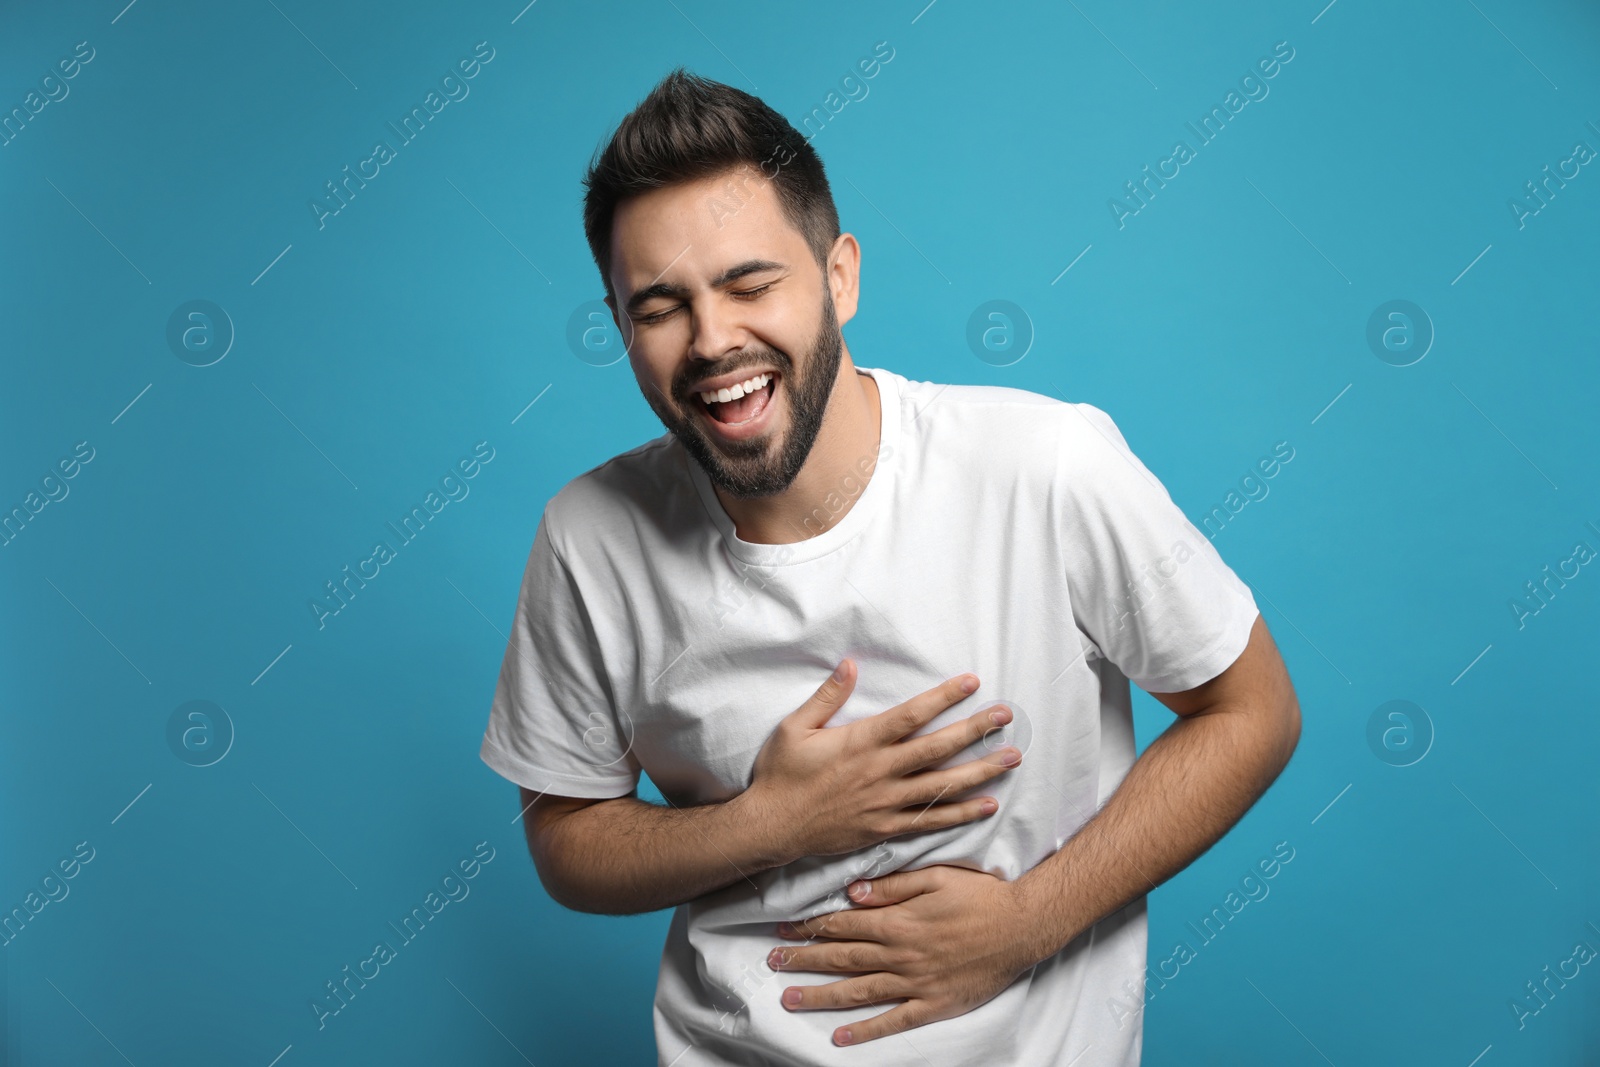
(686, 384)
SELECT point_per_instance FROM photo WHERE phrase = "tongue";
(746, 407)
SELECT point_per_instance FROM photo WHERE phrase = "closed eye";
(747, 294)
(650, 320)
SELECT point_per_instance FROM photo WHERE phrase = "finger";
(829, 698)
(840, 925)
(892, 888)
(927, 787)
(889, 726)
(986, 726)
(907, 1016)
(846, 992)
(942, 816)
(836, 957)
(919, 793)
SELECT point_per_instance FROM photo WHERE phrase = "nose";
(717, 329)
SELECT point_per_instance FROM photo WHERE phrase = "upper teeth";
(722, 396)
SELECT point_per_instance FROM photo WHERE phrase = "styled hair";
(690, 128)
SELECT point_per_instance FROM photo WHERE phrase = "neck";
(839, 466)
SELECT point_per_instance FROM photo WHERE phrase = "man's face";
(740, 305)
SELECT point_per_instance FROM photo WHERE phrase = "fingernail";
(786, 929)
(860, 891)
(775, 958)
(988, 807)
(1000, 716)
(969, 684)
(1010, 756)
(838, 672)
(791, 997)
(843, 1037)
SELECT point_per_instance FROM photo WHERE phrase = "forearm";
(626, 856)
(1190, 786)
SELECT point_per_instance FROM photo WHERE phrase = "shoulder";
(994, 423)
(635, 489)
(950, 409)
(1090, 438)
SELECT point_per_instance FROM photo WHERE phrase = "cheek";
(653, 374)
(662, 346)
(790, 326)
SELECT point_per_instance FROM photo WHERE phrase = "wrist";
(1047, 927)
(763, 829)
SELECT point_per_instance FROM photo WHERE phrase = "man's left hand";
(944, 939)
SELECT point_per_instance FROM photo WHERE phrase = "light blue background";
(1224, 317)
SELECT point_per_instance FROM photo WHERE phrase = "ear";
(844, 276)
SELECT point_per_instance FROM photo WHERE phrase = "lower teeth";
(727, 422)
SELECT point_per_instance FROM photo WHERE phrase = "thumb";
(890, 889)
(829, 697)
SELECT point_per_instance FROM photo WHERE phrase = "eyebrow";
(732, 274)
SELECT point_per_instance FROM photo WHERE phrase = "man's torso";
(948, 560)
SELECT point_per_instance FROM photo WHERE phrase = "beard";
(753, 467)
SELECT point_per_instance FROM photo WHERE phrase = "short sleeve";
(1148, 589)
(554, 726)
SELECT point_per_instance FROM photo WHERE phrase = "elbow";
(1289, 730)
(562, 853)
(571, 883)
(557, 877)
(557, 887)
(574, 844)
(554, 876)
(575, 897)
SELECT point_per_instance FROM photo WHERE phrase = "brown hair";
(689, 128)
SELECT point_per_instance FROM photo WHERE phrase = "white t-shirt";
(1004, 533)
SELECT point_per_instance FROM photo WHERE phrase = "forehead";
(695, 229)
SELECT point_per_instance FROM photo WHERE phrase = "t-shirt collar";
(834, 533)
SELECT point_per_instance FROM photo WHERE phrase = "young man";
(987, 568)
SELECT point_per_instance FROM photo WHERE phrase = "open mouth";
(742, 404)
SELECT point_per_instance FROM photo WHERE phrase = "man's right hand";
(823, 791)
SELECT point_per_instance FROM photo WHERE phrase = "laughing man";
(872, 639)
